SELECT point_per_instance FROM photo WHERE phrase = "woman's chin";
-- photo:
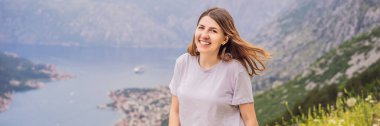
(204, 51)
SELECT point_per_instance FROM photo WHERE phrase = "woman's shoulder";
(235, 65)
(183, 58)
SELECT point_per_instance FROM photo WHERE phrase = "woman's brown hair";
(251, 57)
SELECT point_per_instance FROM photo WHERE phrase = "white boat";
(139, 69)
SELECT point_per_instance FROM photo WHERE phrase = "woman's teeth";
(205, 43)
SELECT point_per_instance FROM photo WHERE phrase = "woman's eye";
(200, 28)
(213, 31)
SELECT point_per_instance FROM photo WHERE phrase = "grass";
(355, 111)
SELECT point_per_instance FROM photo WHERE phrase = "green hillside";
(19, 69)
(19, 75)
(322, 81)
(361, 86)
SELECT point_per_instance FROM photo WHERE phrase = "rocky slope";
(308, 30)
(324, 79)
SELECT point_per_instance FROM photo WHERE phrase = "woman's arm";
(248, 114)
(174, 112)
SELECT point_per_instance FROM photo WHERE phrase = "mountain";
(310, 29)
(20, 75)
(352, 66)
(121, 23)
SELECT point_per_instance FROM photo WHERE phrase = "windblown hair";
(251, 57)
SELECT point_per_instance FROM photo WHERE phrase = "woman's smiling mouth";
(204, 43)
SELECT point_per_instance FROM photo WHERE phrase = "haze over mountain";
(121, 23)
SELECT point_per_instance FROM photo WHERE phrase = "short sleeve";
(242, 89)
(177, 74)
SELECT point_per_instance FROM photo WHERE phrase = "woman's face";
(208, 36)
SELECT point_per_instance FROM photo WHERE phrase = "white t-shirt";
(210, 97)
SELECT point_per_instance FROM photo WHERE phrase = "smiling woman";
(211, 84)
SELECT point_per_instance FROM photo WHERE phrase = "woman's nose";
(204, 35)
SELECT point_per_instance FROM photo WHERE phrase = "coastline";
(140, 106)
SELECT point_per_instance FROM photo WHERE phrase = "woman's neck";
(207, 61)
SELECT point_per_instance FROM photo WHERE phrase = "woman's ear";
(226, 38)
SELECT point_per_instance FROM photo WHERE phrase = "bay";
(96, 71)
